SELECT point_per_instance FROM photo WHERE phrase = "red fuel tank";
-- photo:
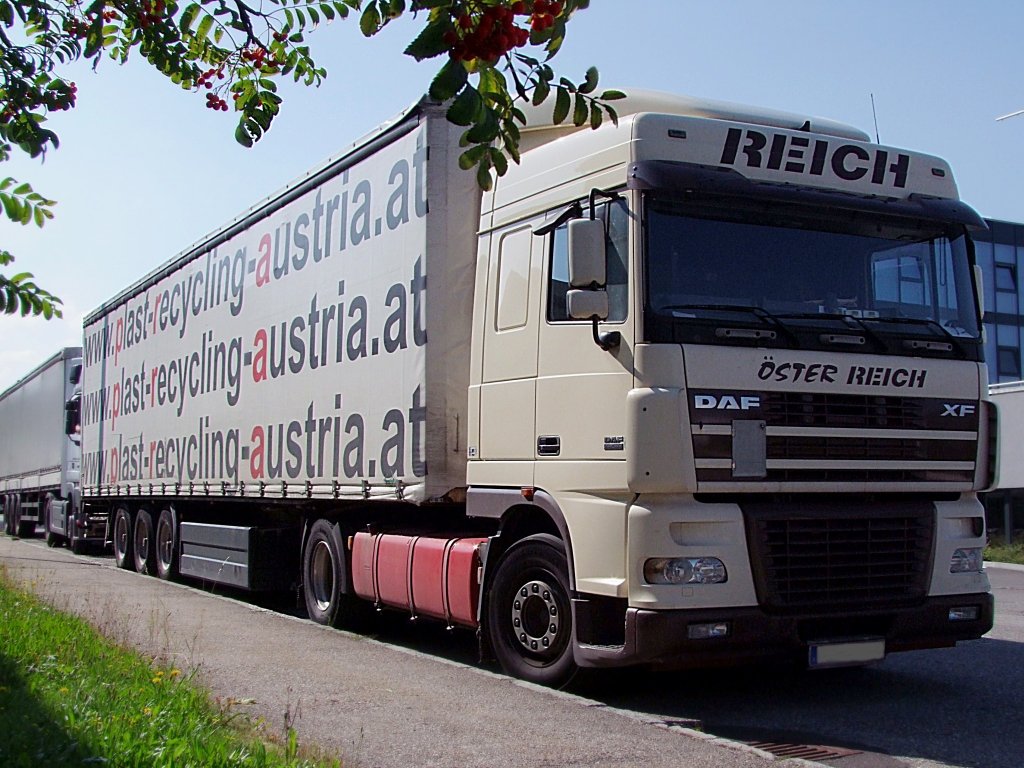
(425, 575)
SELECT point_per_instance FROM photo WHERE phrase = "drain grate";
(804, 751)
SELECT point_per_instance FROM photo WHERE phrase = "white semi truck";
(706, 385)
(40, 454)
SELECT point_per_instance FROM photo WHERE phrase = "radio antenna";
(874, 115)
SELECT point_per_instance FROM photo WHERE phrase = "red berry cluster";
(216, 102)
(544, 13)
(151, 13)
(493, 32)
(58, 96)
(77, 28)
(205, 79)
(110, 15)
(62, 99)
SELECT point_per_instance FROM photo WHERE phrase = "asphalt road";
(415, 695)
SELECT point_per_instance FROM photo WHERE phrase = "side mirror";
(585, 305)
(76, 374)
(587, 298)
(587, 258)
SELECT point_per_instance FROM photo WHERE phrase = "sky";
(144, 170)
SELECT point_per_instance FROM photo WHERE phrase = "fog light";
(966, 560)
(685, 570)
(707, 631)
(964, 613)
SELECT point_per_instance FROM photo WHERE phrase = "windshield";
(792, 269)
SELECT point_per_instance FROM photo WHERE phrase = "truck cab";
(735, 356)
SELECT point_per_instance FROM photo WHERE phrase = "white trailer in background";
(39, 460)
(1009, 398)
(701, 386)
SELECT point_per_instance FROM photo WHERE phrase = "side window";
(616, 223)
(513, 280)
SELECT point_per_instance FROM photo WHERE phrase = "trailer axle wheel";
(144, 544)
(325, 580)
(124, 552)
(167, 544)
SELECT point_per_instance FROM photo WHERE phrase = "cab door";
(508, 389)
(582, 388)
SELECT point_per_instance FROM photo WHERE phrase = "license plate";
(847, 653)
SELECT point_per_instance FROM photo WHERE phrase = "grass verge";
(70, 697)
(1001, 552)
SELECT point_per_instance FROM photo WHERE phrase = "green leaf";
(242, 136)
(486, 128)
(429, 42)
(448, 81)
(595, 116)
(580, 112)
(590, 81)
(562, 105)
(540, 92)
(188, 16)
(483, 175)
(369, 22)
(500, 161)
(472, 156)
(612, 95)
(466, 107)
(205, 25)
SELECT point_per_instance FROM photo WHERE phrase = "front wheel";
(529, 617)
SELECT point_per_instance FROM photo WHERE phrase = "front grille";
(835, 561)
(805, 409)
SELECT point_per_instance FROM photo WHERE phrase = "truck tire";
(325, 580)
(144, 542)
(167, 544)
(124, 551)
(529, 616)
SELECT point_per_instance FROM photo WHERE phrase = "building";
(1000, 254)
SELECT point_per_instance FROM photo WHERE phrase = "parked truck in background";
(40, 454)
(703, 386)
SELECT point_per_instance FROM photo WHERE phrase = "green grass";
(70, 697)
(998, 551)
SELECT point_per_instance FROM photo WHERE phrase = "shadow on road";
(958, 706)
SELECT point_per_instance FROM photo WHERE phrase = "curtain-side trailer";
(701, 386)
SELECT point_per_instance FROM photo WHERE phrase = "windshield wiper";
(760, 313)
(952, 340)
(859, 324)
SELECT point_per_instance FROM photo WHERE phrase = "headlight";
(685, 570)
(966, 560)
